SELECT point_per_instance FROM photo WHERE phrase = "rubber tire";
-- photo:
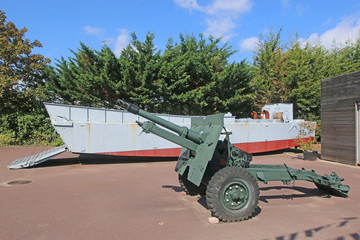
(190, 188)
(217, 186)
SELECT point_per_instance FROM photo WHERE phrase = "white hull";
(114, 132)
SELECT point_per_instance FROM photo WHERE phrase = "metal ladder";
(32, 160)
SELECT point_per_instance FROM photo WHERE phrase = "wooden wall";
(339, 96)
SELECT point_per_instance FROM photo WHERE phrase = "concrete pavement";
(68, 198)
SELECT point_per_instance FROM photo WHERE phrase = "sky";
(62, 25)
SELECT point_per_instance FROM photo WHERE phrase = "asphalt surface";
(71, 198)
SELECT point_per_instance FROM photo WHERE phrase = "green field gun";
(213, 167)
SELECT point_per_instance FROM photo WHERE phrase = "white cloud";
(346, 30)
(217, 7)
(188, 4)
(98, 32)
(220, 27)
(286, 3)
(220, 15)
(248, 44)
(226, 7)
(327, 22)
(300, 9)
(313, 40)
(122, 40)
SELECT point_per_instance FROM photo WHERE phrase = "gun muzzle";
(128, 106)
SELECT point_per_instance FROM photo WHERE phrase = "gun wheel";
(232, 194)
(190, 188)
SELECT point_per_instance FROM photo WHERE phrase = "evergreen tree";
(197, 79)
(90, 78)
(343, 58)
(235, 89)
(305, 68)
(191, 77)
(140, 64)
(268, 81)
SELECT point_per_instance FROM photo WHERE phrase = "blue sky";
(61, 25)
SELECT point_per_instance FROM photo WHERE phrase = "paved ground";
(69, 200)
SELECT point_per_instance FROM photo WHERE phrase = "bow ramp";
(33, 160)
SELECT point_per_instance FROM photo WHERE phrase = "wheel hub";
(235, 195)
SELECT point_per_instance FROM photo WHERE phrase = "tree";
(305, 68)
(235, 89)
(98, 78)
(140, 64)
(343, 58)
(20, 70)
(289, 74)
(22, 119)
(198, 80)
(89, 78)
(269, 70)
(191, 77)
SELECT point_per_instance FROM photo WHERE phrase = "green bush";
(7, 138)
(27, 129)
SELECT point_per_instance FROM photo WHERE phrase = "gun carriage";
(209, 164)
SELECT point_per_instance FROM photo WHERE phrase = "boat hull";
(87, 130)
(254, 147)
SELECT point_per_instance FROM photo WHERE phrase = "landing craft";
(88, 130)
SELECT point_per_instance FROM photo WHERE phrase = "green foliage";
(7, 138)
(305, 68)
(191, 77)
(22, 119)
(269, 70)
(343, 58)
(20, 70)
(89, 78)
(196, 79)
(292, 72)
(27, 129)
(139, 63)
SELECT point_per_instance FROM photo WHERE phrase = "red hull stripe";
(258, 147)
(254, 147)
(166, 152)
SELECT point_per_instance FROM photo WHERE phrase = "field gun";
(209, 164)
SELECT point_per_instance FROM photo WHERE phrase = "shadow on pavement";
(202, 199)
(92, 159)
(174, 188)
(315, 231)
(304, 193)
(108, 159)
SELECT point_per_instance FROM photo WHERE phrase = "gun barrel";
(182, 131)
